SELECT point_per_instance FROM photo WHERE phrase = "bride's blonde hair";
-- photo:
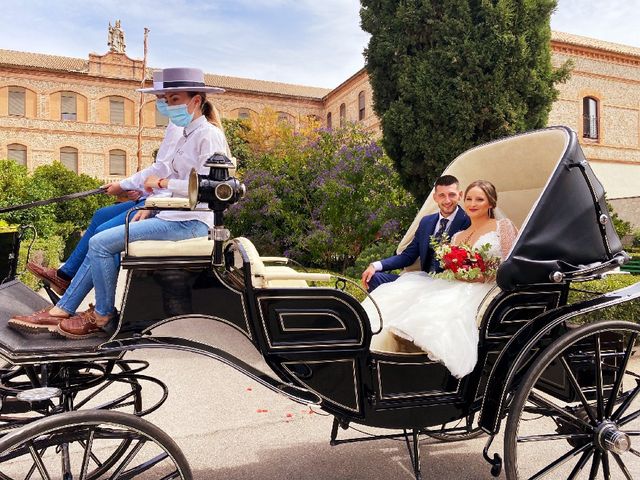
(489, 190)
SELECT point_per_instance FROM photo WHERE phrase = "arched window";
(68, 106)
(284, 117)
(17, 153)
(329, 121)
(590, 120)
(244, 114)
(361, 107)
(343, 114)
(69, 158)
(116, 110)
(16, 101)
(117, 162)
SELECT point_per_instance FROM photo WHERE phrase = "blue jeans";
(104, 218)
(100, 268)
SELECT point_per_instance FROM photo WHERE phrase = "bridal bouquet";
(462, 262)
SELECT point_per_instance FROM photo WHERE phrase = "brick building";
(84, 111)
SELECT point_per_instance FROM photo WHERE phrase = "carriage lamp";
(218, 190)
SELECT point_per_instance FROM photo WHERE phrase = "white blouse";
(172, 135)
(200, 140)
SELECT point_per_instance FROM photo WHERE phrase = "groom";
(450, 219)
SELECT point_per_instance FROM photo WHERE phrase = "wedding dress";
(439, 316)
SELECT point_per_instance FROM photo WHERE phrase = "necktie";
(434, 264)
(443, 226)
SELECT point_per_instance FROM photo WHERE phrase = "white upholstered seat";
(193, 247)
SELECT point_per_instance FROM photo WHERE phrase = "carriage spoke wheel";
(72, 446)
(576, 414)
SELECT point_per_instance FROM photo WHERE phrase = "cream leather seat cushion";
(284, 283)
(193, 247)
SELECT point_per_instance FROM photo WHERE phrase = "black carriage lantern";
(218, 190)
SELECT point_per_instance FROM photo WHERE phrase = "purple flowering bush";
(321, 197)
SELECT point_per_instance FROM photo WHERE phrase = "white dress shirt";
(200, 140)
(172, 135)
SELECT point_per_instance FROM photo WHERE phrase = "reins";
(63, 198)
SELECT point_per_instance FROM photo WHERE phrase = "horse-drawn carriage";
(567, 387)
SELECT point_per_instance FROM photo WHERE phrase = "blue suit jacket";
(420, 247)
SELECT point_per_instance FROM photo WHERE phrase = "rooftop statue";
(116, 38)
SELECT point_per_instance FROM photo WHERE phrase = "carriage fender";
(526, 345)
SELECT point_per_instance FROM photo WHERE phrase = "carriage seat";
(263, 276)
(386, 342)
(270, 276)
(192, 247)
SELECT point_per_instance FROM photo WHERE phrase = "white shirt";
(200, 140)
(172, 135)
(378, 265)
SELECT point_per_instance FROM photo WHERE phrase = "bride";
(437, 315)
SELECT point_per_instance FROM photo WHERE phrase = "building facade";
(84, 112)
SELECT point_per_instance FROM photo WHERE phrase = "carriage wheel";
(577, 412)
(71, 445)
(108, 385)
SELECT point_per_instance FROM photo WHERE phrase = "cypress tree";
(450, 74)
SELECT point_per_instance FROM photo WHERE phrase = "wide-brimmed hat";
(180, 80)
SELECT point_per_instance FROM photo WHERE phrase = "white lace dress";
(439, 316)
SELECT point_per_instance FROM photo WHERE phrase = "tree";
(450, 74)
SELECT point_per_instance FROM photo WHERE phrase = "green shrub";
(61, 220)
(629, 311)
(383, 248)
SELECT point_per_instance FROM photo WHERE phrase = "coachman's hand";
(113, 188)
(151, 182)
(133, 195)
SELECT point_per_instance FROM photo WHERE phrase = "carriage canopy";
(548, 189)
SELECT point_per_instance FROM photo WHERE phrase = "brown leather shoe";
(38, 322)
(49, 276)
(83, 325)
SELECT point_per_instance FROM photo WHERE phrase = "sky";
(307, 42)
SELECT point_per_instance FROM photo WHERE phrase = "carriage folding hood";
(546, 186)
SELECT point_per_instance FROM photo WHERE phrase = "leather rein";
(63, 198)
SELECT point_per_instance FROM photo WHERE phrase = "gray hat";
(179, 80)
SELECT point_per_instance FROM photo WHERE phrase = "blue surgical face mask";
(161, 105)
(179, 115)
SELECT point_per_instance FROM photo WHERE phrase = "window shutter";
(17, 153)
(69, 158)
(117, 162)
(16, 101)
(117, 111)
(68, 106)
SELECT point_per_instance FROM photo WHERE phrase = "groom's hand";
(366, 276)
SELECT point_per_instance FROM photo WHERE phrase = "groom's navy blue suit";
(419, 247)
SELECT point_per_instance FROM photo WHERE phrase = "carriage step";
(39, 394)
